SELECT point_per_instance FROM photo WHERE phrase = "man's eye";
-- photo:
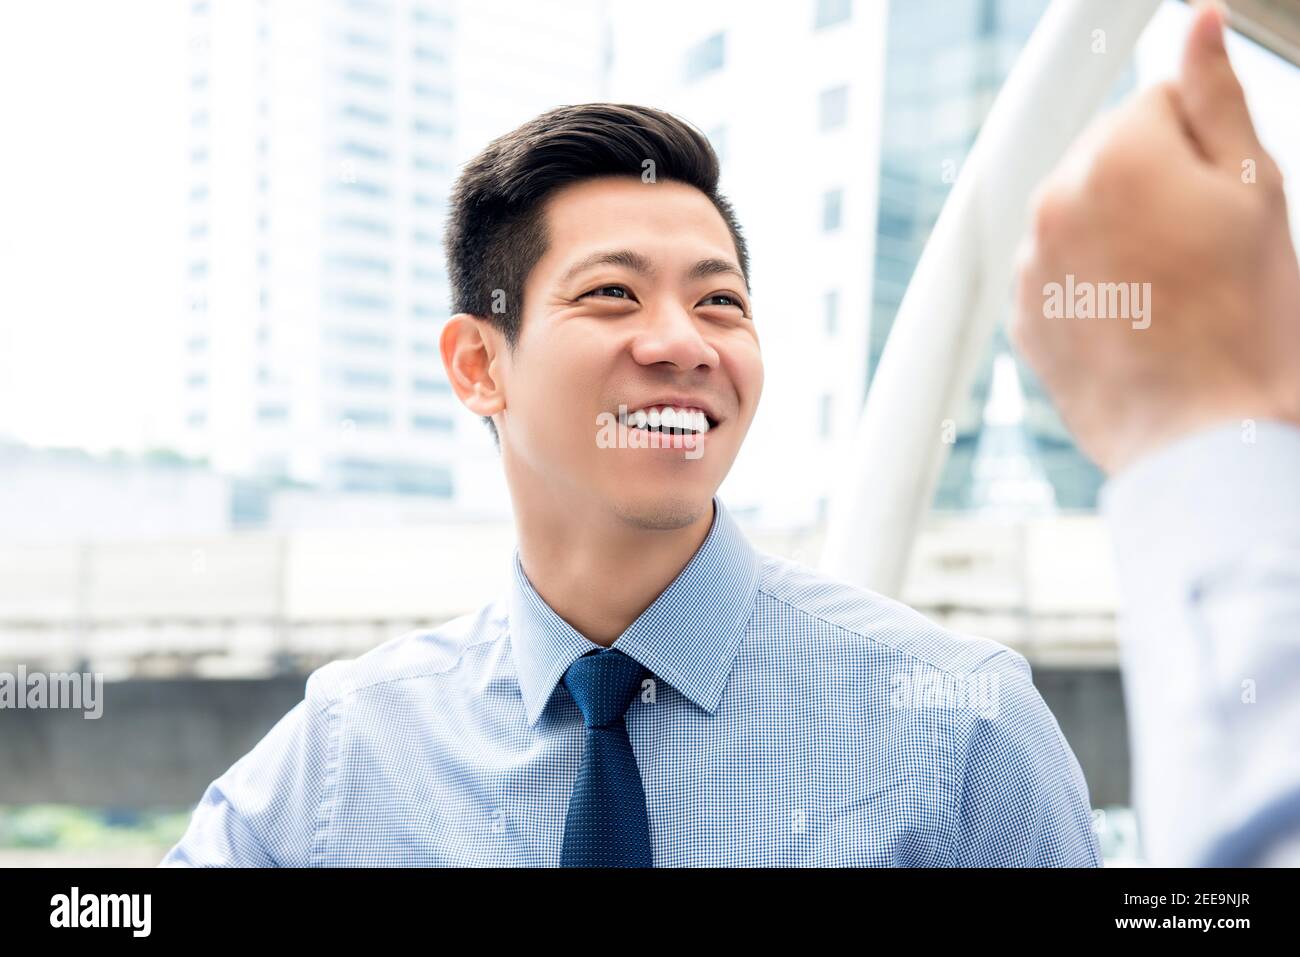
(730, 300)
(614, 292)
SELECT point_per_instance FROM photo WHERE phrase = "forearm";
(1207, 535)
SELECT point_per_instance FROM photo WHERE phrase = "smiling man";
(650, 690)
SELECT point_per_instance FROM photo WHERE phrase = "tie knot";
(603, 684)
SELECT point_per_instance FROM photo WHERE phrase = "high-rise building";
(321, 157)
(790, 98)
(325, 140)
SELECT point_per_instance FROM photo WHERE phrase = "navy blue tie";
(607, 825)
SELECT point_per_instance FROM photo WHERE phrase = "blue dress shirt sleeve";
(1023, 800)
(1207, 539)
(267, 809)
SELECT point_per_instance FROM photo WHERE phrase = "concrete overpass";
(206, 641)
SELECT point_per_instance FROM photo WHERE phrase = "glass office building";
(946, 60)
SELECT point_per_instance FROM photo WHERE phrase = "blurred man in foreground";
(1196, 417)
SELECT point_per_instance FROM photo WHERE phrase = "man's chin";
(664, 513)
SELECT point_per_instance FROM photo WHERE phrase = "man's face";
(637, 306)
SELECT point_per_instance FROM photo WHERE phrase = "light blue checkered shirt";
(792, 720)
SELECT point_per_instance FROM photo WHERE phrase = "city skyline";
(93, 352)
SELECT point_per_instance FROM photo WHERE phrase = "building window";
(273, 413)
(366, 418)
(362, 224)
(427, 17)
(363, 41)
(363, 264)
(360, 338)
(833, 107)
(370, 6)
(427, 91)
(373, 81)
(364, 378)
(831, 12)
(363, 150)
(354, 111)
(364, 187)
(431, 423)
(427, 127)
(832, 303)
(832, 209)
(706, 56)
(359, 301)
(429, 165)
(824, 417)
(362, 475)
(428, 54)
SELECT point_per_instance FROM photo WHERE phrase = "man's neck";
(599, 573)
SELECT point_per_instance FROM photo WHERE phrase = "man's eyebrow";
(638, 263)
(614, 257)
(712, 267)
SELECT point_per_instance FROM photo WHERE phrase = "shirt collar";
(689, 636)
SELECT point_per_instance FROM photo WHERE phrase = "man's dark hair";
(496, 231)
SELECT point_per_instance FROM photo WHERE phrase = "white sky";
(93, 186)
(92, 189)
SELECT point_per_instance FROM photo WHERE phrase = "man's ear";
(470, 349)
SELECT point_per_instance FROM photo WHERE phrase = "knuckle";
(1118, 169)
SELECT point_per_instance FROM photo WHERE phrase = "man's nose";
(671, 333)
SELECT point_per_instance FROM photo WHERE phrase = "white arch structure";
(962, 284)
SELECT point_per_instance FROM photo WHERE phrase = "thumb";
(1214, 105)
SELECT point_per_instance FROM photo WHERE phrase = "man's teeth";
(683, 420)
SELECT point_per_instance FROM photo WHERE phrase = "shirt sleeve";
(268, 808)
(1207, 540)
(1023, 800)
